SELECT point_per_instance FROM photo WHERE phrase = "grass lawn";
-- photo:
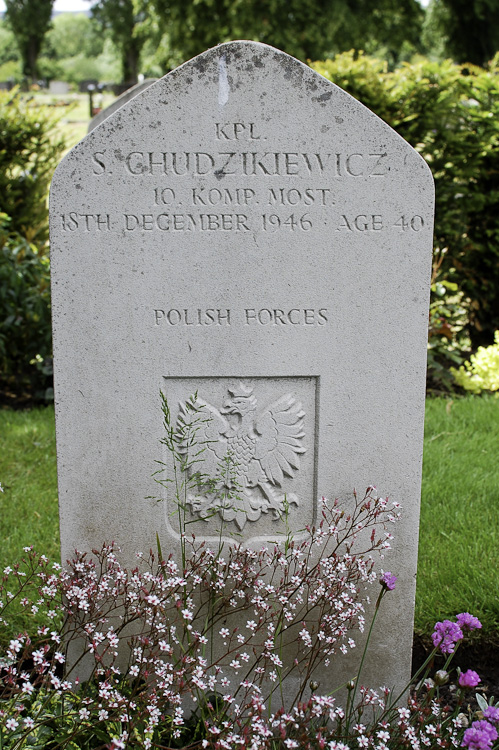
(74, 111)
(459, 538)
(459, 531)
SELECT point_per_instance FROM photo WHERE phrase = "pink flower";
(492, 714)
(446, 635)
(387, 580)
(469, 679)
(468, 622)
(480, 736)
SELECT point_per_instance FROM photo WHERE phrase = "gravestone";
(59, 88)
(246, 230)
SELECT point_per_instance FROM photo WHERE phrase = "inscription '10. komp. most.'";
(245, 230)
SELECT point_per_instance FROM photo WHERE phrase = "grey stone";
(119, 102)
(59, 88)
(247, 230)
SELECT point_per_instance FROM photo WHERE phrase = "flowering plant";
(176, 688)
(221, 648)
(295, 601)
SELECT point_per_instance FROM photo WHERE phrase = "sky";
(83, 5)
(62, 5)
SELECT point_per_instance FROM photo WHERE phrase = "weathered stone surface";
(247, 230)
(119, 102)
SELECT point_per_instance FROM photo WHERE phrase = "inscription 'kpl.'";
(236, 131)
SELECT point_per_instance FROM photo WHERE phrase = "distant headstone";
(246, 230)
(59, 88)
(119, 102)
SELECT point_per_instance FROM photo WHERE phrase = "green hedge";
(25, 332)
(30, 149)
(450, 114)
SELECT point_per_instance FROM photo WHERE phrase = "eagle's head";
(241, 400)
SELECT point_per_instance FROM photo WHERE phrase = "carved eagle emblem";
(248, 452)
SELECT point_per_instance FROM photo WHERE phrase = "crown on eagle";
(240, 390)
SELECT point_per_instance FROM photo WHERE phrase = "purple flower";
(446, 635)
(480, 736)
(469, 679)
(387, 580)
(492, 714)
(468, 622)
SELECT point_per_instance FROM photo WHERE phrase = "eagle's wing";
(279, 438)
(201, 433)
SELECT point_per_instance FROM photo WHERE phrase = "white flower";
(27, 688)
(11, 724)
(84, 713)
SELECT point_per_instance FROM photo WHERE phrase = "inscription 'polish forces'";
(249, 316)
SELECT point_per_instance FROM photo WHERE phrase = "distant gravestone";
(246, 230)
(119, 102)
(59, 88)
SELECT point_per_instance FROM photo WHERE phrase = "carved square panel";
(250, 445)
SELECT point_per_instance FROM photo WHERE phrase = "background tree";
(29, 21)
(307, 30)
(77, 49)
(73, 34)
(470, 28)
(120, 19)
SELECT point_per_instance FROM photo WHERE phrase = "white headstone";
(59, 87)
(247, 230)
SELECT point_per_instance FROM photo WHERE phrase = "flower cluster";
(171, 655)
(144, 646)
(480, 736)
(445, 635)
(469, 679)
